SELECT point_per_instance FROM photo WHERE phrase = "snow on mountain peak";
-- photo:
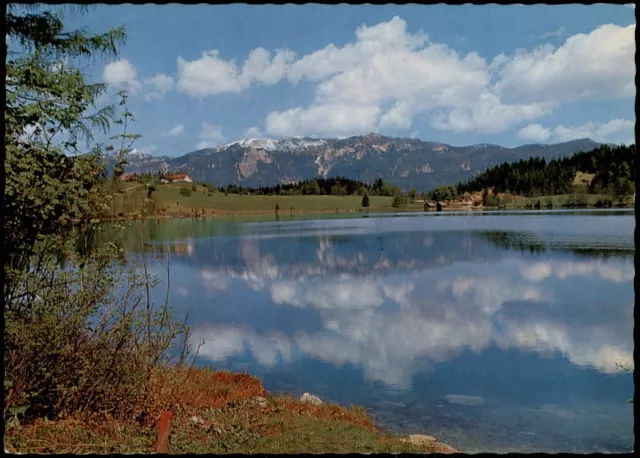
(262, 143)
(268, 144)
(298, 143)
(135, 153)
(258, 143)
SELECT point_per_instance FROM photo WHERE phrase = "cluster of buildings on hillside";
(465, 200)
(177, 178)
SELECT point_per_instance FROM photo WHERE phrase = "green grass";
(560, 201)
(169, 198)
(288, 426)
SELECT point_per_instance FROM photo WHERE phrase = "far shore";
(212, 213)
(174, 201)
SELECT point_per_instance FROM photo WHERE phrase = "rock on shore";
(310, 399)
(430, 443)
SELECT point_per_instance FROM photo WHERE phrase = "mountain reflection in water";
(494, 333)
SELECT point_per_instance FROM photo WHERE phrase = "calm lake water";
(492, 332)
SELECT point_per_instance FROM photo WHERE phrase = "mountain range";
(408, 163)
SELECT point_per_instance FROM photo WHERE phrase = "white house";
(180, 178)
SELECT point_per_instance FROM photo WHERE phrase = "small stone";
(262, 402)
(310, 399)
(419, 439)
(196, 420)
(430, 443)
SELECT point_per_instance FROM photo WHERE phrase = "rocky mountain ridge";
(408, 163)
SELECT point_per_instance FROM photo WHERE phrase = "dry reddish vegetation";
(227, 419)
(187, 390)
(201, 388)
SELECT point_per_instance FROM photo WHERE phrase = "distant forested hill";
(611, 170)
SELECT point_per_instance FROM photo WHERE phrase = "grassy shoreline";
(222, 412)
(217, 213)
(168, 202)
(282, 214)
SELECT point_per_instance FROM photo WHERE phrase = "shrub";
(84, 337)
(185, 192)
(399, 201)
(365, 201)
(604, 203)
(151, 187)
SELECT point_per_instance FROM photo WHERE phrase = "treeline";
(613, 167)
(338, 186)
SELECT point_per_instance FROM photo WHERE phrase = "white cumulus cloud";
(174, 131)
(339, 119)
(534, 132)
(259, 67)
(121, 75)
(597, 65)
(615, 131)
(211, 75)
(389, 75)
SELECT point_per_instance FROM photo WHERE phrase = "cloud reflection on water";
(595, 268)
(393, 326)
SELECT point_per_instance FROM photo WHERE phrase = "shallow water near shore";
(492, 331)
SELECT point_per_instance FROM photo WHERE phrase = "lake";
(494, 331)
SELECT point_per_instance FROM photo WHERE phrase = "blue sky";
(205, 75)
